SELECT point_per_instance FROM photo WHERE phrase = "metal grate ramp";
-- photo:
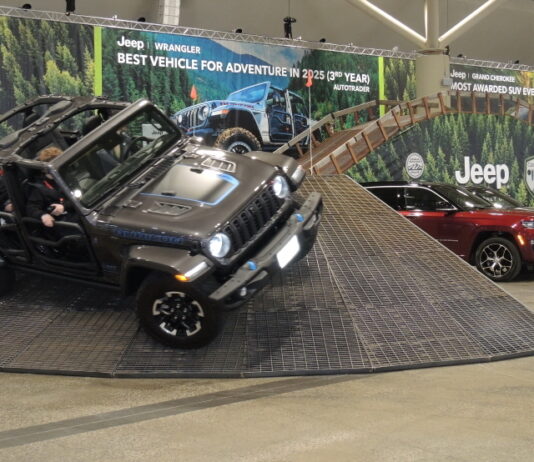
(374, 294)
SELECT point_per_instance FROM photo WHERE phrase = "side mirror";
(444, 206)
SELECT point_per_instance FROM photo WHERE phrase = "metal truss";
(193, 32)
(492, 64)
(248, 38)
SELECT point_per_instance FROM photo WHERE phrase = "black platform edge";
(248, 375)
(373, 295)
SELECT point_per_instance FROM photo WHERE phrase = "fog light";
(243, 292)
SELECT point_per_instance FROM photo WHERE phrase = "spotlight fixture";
(516, 61)
(26, 6)
(395, 48)
(288, 22)
(141, 19)
(70, 7)
(447, 50)
(238, 30)
(323, 40)
(460, 55)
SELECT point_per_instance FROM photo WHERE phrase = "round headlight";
(280, 187)
(219, 245)
(180, 118)
(203, 113)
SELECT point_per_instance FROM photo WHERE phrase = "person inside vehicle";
(5, 202)
(45, 199)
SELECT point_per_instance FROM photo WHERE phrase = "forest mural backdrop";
(176, 71)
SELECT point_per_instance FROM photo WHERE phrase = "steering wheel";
(131, 144)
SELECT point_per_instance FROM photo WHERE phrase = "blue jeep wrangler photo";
(255, 118)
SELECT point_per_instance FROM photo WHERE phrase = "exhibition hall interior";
(295, 230)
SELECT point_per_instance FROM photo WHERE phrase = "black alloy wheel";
(175, 314)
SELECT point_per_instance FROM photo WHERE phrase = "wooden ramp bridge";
(340, 140)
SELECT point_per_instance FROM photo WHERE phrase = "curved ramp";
(345, 141)
(375, 294)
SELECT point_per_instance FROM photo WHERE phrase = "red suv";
(499, 242)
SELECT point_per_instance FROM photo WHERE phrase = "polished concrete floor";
(479, 412)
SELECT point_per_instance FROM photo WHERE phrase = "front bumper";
(255, 273)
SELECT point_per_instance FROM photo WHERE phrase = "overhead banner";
(487, 80)
(237, 92)
(242, 95)
(459, 149)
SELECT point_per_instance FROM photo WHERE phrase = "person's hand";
(48, 220)
(58, 209)
(9, 207)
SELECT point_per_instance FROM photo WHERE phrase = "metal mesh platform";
(375, 293)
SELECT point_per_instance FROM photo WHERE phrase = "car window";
(117, 155)
(422, 199)
(276, 100)
(297, 105)
(496, 198)
(249, 95)
(391, 196)
(461, 197)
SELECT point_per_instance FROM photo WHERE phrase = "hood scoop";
(220, 164)
(163, 208)
(186, 183)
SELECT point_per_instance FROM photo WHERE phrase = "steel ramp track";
(374, 294)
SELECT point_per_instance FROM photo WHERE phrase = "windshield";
(461, 197)
(498, 199)
(118, 155)
(249, 95)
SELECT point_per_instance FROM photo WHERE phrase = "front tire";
(498, 259)
(238, 140)
(175, 314)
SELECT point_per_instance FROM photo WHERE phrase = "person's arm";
(5, 202)
(35, 207)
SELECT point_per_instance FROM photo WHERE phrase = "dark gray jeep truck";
(191, 230)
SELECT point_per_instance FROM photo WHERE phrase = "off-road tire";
(174, 313)
(238, 140)
(498, 259)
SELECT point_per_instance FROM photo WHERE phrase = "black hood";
(195, 196)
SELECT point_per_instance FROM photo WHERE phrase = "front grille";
(252, 218)
(191, 119)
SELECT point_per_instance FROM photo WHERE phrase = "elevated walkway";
(374, 294)
(340, 140)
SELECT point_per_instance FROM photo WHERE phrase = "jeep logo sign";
(529, 174)
(489, 174)
(415, 165)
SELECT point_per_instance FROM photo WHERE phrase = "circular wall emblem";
(415, 165)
